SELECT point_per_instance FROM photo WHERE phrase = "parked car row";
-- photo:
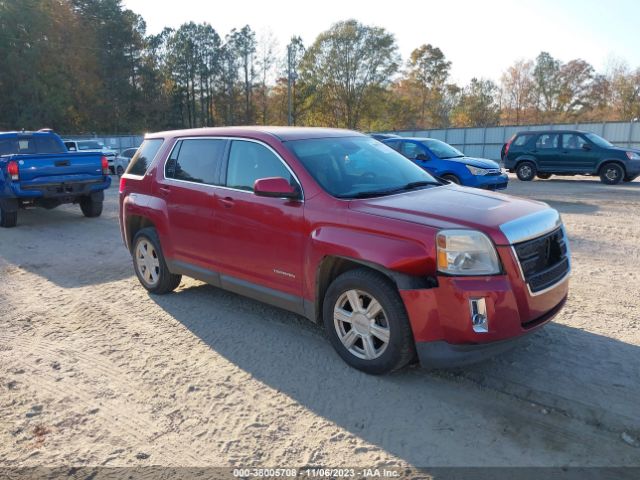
(118, 162)
(528, 154)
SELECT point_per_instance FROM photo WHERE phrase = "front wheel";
(149, 264)
(526, 171)
(611, 174)
(120, 170)
(366, 322)
(451, 178)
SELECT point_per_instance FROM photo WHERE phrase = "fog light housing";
(479, 318)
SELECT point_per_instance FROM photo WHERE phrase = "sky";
(481, 38)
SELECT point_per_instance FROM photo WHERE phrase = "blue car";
(449, 163)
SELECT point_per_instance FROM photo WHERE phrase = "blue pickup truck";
(36, 170)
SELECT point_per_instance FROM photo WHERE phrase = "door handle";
(227, 202)
(164, 191)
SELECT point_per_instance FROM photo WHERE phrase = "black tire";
(611, 174)
(526, 171)
(544, 176)
(91, 208)
(8, 219)
(166, 281)
(120, 170)
(400, 348)
(451, 178)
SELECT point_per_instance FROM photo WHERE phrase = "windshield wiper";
(390, 191)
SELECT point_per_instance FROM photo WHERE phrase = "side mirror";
(586, 147)
(422, 156)
(275, 187)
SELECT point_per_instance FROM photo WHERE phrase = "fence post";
(484, 141)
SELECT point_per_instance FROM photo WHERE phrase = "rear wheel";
(611, 174)
(544, 176)
(366, 322)
(451, 178)
(8, 219)
(149, 264)
(526, 171)
(90, 207)
(120, 170)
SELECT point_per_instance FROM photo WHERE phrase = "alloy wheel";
(361, 324)
(148, 262)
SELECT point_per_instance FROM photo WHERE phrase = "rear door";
(548, 153)
(191, 173)
(578, 154)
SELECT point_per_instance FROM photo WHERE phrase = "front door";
(578, 154)
(260, 240)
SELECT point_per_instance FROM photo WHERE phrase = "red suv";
(342, 229)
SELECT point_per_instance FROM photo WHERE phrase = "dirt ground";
(94, 371)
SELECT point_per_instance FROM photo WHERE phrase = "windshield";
(599, 141)
(89, 145)
(351, 167)
(441, 149)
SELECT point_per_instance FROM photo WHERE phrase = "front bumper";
(492, 182)
(441, 320)
(441, 354)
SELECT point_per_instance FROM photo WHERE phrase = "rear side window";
(196, 160)
(547, 140)
(522, 140)
(48, 144)
(250, 161)
(144, 156)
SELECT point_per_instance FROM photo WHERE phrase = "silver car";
(122, 160)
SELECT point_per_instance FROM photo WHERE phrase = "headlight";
(476, 170)
(633, 156)
(466, 252)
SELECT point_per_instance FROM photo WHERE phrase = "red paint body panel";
(280, 244)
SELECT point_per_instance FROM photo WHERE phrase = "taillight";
(123, 184)
(506, 149)
(105, 166)
(13, 170)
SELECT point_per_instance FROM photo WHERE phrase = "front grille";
(544, 260)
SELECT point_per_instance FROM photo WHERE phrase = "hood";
(452, 206)
(624, 150)
(476, 162)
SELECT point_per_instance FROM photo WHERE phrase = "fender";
(409, 263)
(154, 210)
(619, 161)
(523, 158)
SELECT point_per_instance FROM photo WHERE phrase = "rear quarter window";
(144, 156)
(522, 140)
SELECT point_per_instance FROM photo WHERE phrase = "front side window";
(572, 141)
(411, 150)
(196, 160)
(547, 141)
(144, 156)
(250, 161)
(350, 167)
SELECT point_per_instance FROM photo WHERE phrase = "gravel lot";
(94, 371)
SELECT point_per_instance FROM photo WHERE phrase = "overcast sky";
(481, 38)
